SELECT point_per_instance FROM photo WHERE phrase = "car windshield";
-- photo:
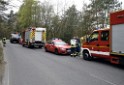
(15, 36)
(60, 43)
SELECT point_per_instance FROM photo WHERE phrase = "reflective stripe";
(95, 46)
(115, 53)
(44, 36)
(32, 34)
(100, 52)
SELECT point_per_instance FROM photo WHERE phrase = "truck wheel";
(56, 52)
(11, 41)
(23, 45)
(29, 46)
(86, 55)
(32, 46)
(40, 46)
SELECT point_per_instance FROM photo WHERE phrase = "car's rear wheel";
(46, 49)
(40, 46)
(23, 45)
(56, 52)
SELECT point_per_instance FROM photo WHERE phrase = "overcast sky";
(79, 3)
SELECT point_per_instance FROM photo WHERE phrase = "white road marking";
(102, 79)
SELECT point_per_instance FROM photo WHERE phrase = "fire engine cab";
(107, 44)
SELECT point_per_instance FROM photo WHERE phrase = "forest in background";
(62, 24)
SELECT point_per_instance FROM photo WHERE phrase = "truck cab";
(96, 45)
(107, 43)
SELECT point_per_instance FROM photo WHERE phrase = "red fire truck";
(107, 44)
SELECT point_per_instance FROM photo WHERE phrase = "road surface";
(36, 67)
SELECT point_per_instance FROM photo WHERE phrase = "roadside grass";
(2, 64)
(1, 53)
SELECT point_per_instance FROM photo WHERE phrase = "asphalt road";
(37, 67)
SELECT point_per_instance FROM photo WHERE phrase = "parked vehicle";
(107, 43)
(34, 37)
(57, 46)
(15, 38)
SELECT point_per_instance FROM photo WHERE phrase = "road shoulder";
(2, 64)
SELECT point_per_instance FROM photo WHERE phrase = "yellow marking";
(116, 53)
(103, 47)
(95, 46)
(32, 34)
(44, 36)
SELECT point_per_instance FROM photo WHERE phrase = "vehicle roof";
(116, 11)
(40, 29)
(15, 33)
(102, 29)
(37, 29)
(57, 40)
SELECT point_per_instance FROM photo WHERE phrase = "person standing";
(4, 41)
(73, 46)
(78, 45)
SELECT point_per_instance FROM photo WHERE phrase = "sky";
(15, 4)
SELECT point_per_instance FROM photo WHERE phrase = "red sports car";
(58, 47)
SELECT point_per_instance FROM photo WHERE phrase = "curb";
(5, 80)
